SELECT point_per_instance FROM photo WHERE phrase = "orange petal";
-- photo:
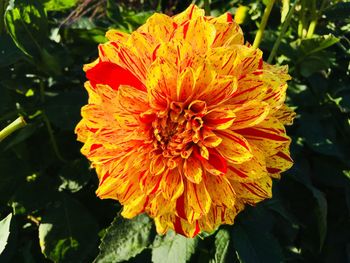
(185, 228)
(268, 136)
(250, 170)
(161, 84)
(215, 164)
(192, 169)
(132, 100)
(223, 197)
(185, 85)
(285, 115)
(210, 139)
(279, 162)
(172, 185)
(159, 26)
(234, 147)
(158, 206)
(250, 114)
(198, 32)
(253, 192)
(157, 165)
(228, 32)
(220, 118)
(125, 57)
(219, 90)
(192, 12)
(135, 206)
(116, 35)
(197, 201)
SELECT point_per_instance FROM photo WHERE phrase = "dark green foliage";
(47, 186)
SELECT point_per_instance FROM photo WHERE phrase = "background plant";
(47, 200)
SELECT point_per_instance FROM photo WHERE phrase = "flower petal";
(161, 84)
(250, 170)
(220, 190)
(220, 118)
(234, 147)
(116, 35)
(172, 185)
(228, 32)
(253, 192)
(113, 75)
(197, 201)
(192, 12)
(250, 114)
(132, 100)
(159, 27)
(192, 169)
(279, 162)
(268, 136)
(185, 85)
(285, 115)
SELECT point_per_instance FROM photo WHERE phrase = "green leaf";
(67, 232)
(33, 195)
(317, 43)
(27, 24)
(173, 248)
(74, 176)
(222, 242)
(13, 172)
(63, 110)
(4, 231)
(125, 239)
(59, 5)
(254, 245)
(9, 53)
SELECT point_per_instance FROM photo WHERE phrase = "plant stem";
(12, 127)
(283, 31)
(263, 23)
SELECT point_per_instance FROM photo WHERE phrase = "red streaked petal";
(234, 147)
(108, 73)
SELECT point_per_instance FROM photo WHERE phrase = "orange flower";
(184, 121)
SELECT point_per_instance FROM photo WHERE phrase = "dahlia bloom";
(184, 121)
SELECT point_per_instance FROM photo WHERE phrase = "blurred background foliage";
(48, 207)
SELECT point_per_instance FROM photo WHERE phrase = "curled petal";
(220, 118)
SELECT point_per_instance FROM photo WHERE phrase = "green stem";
(12, 127)
(315, 16)
(263, 23)
(311, 29)
(207, 7)
(283, 31)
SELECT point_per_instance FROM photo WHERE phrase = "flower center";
(179, 128)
